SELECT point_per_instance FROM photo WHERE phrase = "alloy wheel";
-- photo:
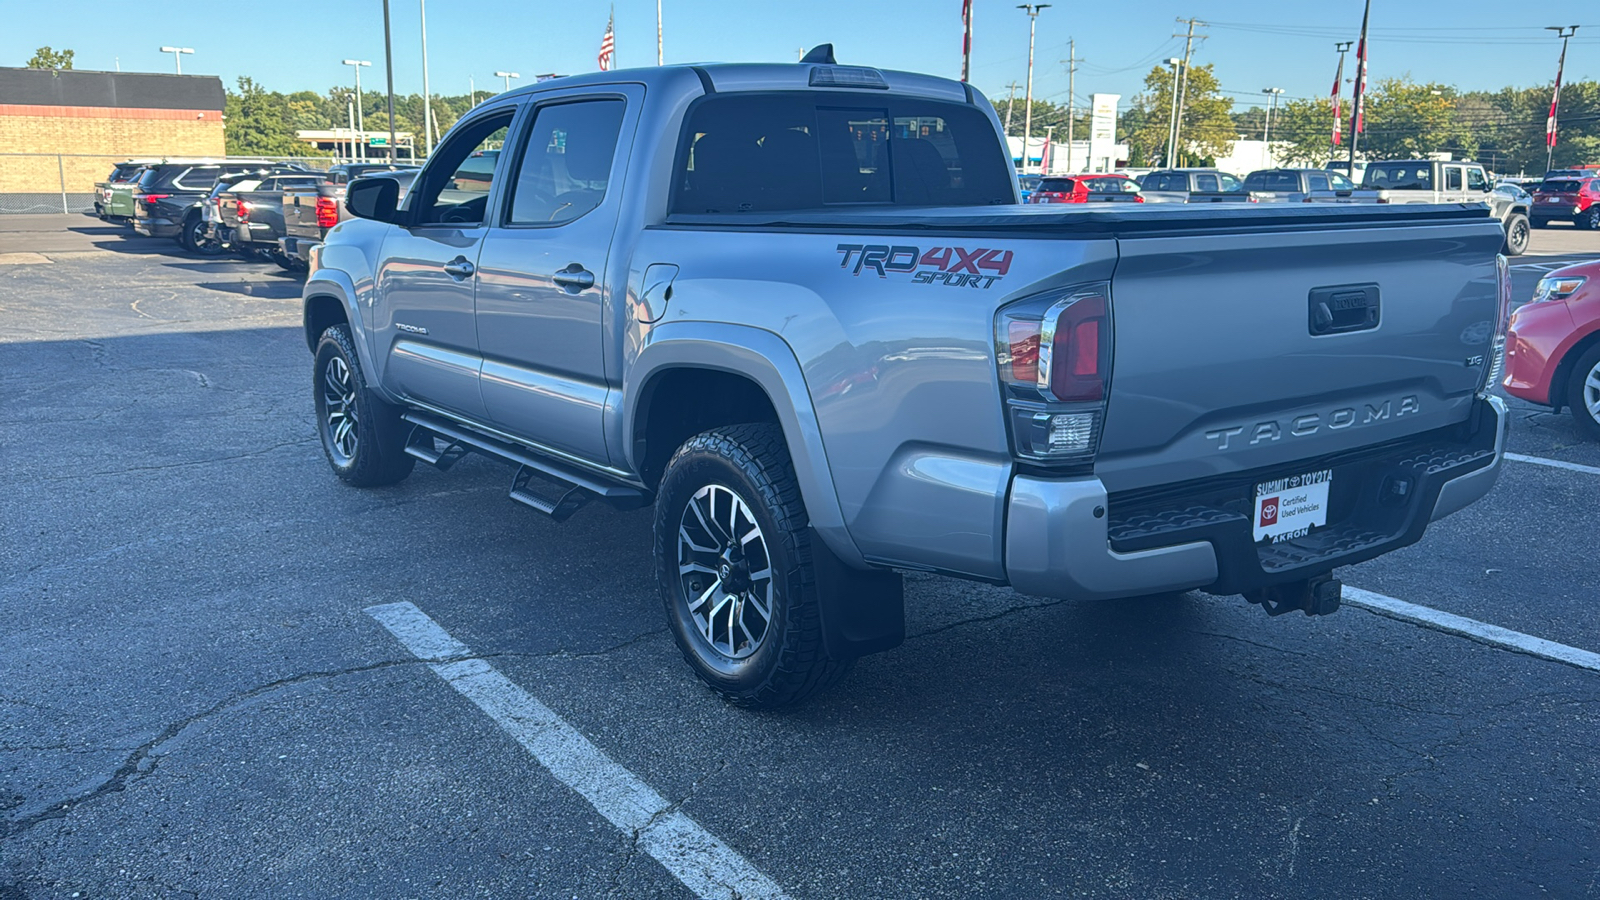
(1591, 392)
(725, 572)
(339, 410)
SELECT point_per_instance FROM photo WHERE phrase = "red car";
(1553, 345)
(1086, 189)
(1575, 200)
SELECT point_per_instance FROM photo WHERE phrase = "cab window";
(566, 162)
(455, 190)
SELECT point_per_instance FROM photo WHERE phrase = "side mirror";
(374, 198)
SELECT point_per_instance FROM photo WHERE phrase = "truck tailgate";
(1256, 346)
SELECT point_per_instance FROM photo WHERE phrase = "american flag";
(1555, 101)
(608, 45)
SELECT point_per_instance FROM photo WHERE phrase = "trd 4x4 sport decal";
(949, 266)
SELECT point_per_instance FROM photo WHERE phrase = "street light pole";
(1565, 33)
(507, 76)
(1033, 10)
(1266, 133)
(1172, 117)
(177, 55)
(361, 119)
(388, 71)
(427, 99)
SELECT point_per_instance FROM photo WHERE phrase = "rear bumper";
(156, 227)
(1068, 538)
(1554, 212)
(297, 248)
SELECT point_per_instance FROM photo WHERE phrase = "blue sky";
(297, 44)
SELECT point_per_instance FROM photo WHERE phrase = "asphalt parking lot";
(208, 686)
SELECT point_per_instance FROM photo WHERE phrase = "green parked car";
(113, 198)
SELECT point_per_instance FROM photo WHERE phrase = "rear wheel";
(196, 237)
(733, 556)
(1516, 234)
(1591, 219)
(1583, 392)
(362, 436)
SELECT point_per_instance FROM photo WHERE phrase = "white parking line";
(1555, 463)
(705, 865)
(1483, 632)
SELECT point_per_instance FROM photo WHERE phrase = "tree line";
(259, 122)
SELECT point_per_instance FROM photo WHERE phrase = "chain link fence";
(65, 182)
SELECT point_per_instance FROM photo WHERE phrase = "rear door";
(422, 325)
(544, 281)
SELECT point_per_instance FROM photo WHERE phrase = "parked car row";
(271, 210)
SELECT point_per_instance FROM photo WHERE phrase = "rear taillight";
(151, 198)
(243, 207)
(1138, 198)
(1054, 355)
(1497, 347)
(327, 212)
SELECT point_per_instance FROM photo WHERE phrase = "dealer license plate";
(1287, 508)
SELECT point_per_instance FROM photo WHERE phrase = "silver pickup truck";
(798, 309)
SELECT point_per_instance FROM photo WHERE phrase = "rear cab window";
(1400, 176)
(792, 150)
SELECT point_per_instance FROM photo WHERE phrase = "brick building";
(60, 131)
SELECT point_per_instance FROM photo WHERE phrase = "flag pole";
(966, 40)
(1357, 103)
(1555, 98)
(1338, 89)
(660, 59)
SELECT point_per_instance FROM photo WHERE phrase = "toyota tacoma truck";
(879, 362)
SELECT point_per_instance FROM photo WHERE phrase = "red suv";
(1553, 345)
(1079, 188)
(1573, 199)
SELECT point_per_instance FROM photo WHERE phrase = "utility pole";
(1072, 61)
(427, 99)
(472, 91)
(1183, 89)
(1033, 10)
(1266, 132)
(1172, 117)
(388, 71)
(361, 119)
(1565, 33)
(1011, 101)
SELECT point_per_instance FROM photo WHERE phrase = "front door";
(422, 319)
(543, 283)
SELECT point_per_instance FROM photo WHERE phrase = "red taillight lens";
(244, 210)
(151, 198)
(327, 212)
(1138, 198)
(1079, 359)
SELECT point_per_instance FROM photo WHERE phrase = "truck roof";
(727, 77)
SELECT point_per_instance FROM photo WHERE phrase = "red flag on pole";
(966, 40)
(1338, 107)
(1361, 82)
(608, 44)
(1555, 101)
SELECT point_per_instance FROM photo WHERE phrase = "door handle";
(459, 268)
(574, 278)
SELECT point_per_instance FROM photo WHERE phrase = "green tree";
(258, 123)
(1208, 130)
(1407, 120)
(47, 58)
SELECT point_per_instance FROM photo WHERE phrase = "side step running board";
(553, 487)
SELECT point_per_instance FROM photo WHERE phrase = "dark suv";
(168, 197)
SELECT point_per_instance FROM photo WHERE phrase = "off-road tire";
(1577, 387)
(1517, 233)
(789, 663)
(376, 456)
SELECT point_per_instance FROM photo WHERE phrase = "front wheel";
(1583, 392)
(733, 557)
(1517, 232)
(362, 435)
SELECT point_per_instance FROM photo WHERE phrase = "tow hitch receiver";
(1317, 596)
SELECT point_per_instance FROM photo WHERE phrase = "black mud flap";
(862, 612)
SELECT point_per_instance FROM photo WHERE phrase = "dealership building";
(61, 130)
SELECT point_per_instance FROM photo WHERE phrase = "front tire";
(1517, 233)
(1583, 392)
(362, 436)
(733, 557)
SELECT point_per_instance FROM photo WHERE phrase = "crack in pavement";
(977, 620)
